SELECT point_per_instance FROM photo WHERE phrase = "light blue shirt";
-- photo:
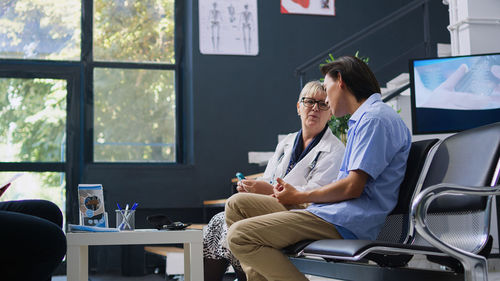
(378, 143)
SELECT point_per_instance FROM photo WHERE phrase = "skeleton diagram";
(231, 11)
(246, 21)
(215, 18)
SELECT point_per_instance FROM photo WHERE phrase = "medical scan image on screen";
(458, 83)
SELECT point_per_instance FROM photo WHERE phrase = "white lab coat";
(313, 170)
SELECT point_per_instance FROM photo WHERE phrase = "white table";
(77, 257)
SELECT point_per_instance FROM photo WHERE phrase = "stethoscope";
(313, 163)
(311, 166)
(273, 178)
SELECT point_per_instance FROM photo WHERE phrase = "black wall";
(235, 104)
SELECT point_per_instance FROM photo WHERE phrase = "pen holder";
(125, 220)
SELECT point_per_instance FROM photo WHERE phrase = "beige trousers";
(259, 227)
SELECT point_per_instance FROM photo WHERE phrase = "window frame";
(89, 65)
(72, 167)
(79, 123)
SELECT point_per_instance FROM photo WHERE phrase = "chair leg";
(475, 268)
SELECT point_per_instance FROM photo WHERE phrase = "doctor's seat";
(444, 215)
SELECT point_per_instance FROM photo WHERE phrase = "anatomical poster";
(228, 27)
(308, 7)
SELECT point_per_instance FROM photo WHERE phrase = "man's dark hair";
(357, 76)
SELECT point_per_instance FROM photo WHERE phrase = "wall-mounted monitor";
(451, 94)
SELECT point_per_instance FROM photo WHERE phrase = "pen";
(121, 211)
(124, 216)
(127, 216)
(134, 206)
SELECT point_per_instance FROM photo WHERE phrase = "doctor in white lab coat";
(320, 151)
(308, 159)
(319, 167)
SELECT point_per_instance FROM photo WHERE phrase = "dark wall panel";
(235, 104)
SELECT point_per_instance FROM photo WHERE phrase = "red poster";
(308, 7)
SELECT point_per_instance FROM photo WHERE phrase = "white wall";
(474, 26)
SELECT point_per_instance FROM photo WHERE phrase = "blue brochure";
(86, 228)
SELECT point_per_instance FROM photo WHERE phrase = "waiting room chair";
(447, 222)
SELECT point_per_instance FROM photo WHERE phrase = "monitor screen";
(451, 94)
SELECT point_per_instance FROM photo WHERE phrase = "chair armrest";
(418, 216)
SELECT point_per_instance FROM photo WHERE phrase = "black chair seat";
(385, 254)
(295, 249)
(337, 248)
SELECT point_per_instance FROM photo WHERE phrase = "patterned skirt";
(214, 236)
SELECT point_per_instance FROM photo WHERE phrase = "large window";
(33, 133)
(40, 29)
(134, 81)
(134, 31)
(134, 115)
(84, 82)
(32, 120)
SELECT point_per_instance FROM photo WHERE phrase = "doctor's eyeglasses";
(308, 102)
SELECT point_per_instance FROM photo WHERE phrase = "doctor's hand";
(287, 194)
(254, 186)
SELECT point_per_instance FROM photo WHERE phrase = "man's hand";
(287, 194)
(347, 188)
